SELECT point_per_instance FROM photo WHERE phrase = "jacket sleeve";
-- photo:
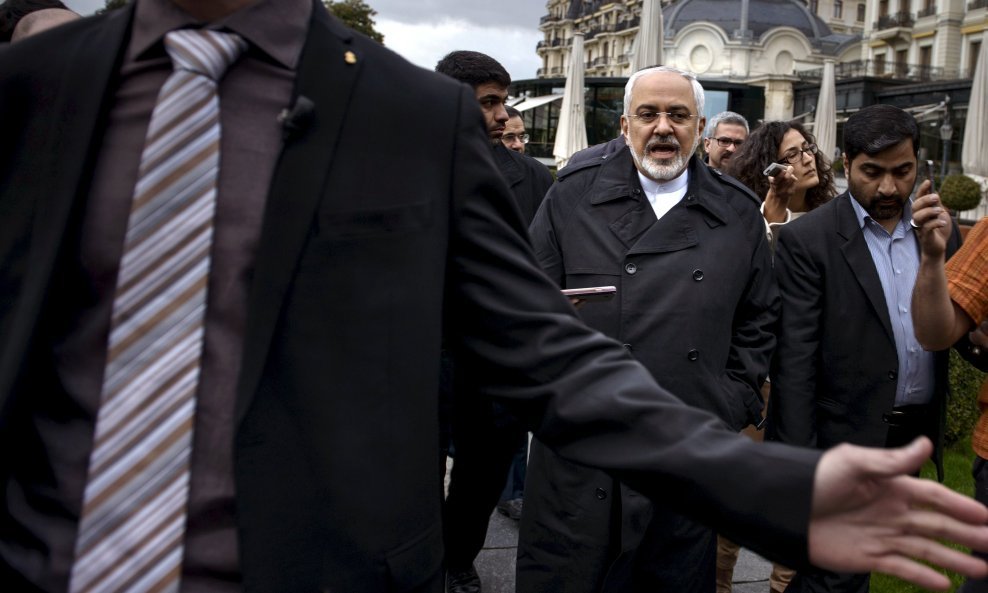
(753, 335)
(542, 233)
(583, 395)
(792, 407)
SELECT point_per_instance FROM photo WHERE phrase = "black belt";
(909, 416)
(908, 422)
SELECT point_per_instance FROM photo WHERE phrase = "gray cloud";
(501, 13)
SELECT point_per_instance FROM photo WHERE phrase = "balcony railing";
(622, 25)
(891, 21)
(975, 4)
(928, 11)
(549, 18)
(859, 68)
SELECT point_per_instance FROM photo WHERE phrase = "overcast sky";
(425, 30)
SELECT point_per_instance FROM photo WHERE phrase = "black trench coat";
(696, 303)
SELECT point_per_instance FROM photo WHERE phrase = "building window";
(879, 64)
(838, 9)
(861, 13)
(901, 64)
(972, 58)
(926, 56)
(814, 6)
(883, 8)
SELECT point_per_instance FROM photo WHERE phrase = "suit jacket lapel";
(79, 112)
(858, 257)
(326, 76)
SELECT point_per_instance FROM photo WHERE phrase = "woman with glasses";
(806, 182)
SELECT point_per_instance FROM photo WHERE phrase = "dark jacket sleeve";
(792, 408)
(753, 336)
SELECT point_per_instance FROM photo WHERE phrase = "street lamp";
(946, 133)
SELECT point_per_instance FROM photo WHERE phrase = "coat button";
(698, 275)
(601, 494)
(627, 347)
(893, 375)
(690, 198)
(693, 354)
(630, 268)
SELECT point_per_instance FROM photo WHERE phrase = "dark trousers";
(675, 554)
(905, 424)
(980, 472)
(514, 488)
(824, 581)
(485, 440)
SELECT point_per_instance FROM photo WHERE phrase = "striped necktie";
(133, 516)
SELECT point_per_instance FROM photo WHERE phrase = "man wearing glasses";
(515, 137)
(725, 133)
(848, 368)
(696, 304)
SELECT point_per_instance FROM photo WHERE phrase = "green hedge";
(962, 407)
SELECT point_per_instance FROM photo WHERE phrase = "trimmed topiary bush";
(960, 193)
(962, 407)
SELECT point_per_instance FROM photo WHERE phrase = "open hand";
(868, 514)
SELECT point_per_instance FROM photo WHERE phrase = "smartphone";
(929, 174)
(591, 293)
(773, 169)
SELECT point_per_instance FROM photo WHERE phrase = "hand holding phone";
(930, 190)
(774, 169)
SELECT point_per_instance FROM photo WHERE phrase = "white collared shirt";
(663, 195)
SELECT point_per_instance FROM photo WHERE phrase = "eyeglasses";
(509, 138)
(724, 142)
(677, 118)
(796, 154)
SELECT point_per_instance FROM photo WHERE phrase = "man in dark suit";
(485, 436)
(696, 304)
(848, 368)
(341, 258)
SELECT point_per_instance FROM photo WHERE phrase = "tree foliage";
(112, 5)
(357, 15)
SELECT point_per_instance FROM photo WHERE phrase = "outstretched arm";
(869, 515)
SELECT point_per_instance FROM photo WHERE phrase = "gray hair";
(698, 96)
(725, 117)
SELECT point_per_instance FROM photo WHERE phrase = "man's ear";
(624, 126)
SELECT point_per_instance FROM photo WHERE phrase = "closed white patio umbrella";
(648, 43)
(974, 150)
(571, 133)
(825, 122)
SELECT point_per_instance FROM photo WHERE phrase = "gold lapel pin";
(350, 57)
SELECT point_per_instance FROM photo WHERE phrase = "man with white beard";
(695, 303)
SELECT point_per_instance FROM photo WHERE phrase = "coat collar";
(617, 184)
(618, 180)
(508, 165)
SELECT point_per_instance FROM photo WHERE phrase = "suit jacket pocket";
(376, 220)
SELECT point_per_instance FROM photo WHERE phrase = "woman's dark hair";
(762, 147)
